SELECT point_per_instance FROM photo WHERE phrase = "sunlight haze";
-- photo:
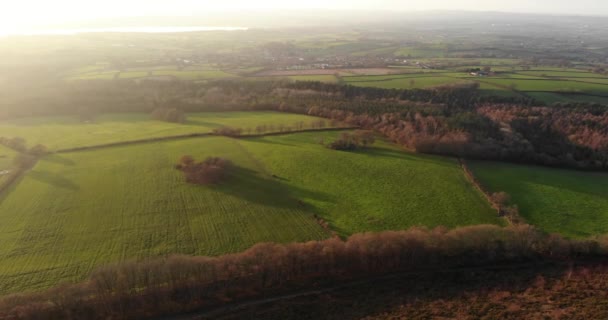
(18, 15)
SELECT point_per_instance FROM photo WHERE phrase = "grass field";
(194, 75)
(400, 82)
(95, 76)
(69, 132)
(549, 85)
(133, 74)
(320, 78)
(77, 210)
(379, 189)
(553, 97)
(569, 202)
(559, 74)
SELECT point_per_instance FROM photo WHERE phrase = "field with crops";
(568, 202)
(75, 211)
(69, 131)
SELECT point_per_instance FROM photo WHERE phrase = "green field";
(194, 75)
(133, 74)
(549, 85)
(554, 97)
(559, 74)
(69, 132)
(569, 202)
(77, 210)
(95, 76)
(320, 78)
(397, 82)
(379, 189)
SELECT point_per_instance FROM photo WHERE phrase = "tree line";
(179, 283)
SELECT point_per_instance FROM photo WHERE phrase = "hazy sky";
(19, 14)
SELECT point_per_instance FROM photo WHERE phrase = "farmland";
(427, 70)
(410, 82)
(63, 132)
(568, 202)
(75, 211)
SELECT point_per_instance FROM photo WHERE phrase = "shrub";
(358, 139)
(211, 171)
(169, 115)
(38, 150)
(228, 131)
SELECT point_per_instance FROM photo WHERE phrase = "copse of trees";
(228, 131)
(352, 141)
(169, 115)
(178, 284)
(210, 171)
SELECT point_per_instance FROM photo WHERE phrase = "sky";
(22, 14)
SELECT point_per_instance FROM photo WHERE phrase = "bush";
(38, 150)
(169, 115)
(358, 139)
(228, 131)
(211, 171)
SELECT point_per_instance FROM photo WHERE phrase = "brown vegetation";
(169, 115)
(550, 291)
(181, 283)
(228, 131)
(352, 141)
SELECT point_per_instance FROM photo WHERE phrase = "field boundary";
(11, 179)
(471, 178)
(509, 212)
(195, 135)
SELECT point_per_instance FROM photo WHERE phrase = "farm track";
(194, 135)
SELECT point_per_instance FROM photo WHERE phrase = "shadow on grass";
(53, 179)
(200, 123)
(55, 158)
(258, 188)
(265, 140)
(405, 155)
